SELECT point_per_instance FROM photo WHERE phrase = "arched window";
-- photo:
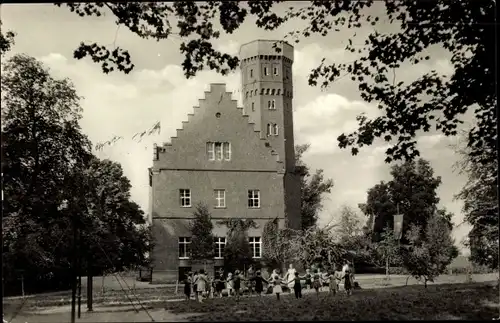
(273, 91)
(255, 92)
(246, 95)
(261, 91)
(275, 129)
(251, 92)
(278, 92)
(267, 91)
(269, 129)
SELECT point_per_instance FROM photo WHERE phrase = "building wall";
(167, 233)
(257, 161)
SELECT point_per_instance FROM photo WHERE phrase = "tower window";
(275, 71)
(251, 72)
(271, 104)
(255, 92)
(246, 95)
(278, 91)
(266, 71)
(253, 106)
(267, 91)
(269, 129)
(275, 129)
(261, 91)
(273, 91)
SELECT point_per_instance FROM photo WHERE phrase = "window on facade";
(219, 150)
(271, 104)
(275, 129)
(210, 151)
(253, 198)
(185, 195)
(220, 198)
(275, 71)
(269, 129)
(256, 246)
(184, 247)
(266, 71)
(253, 106)
(246, 95)
(220, 244)
(226, 149)
(273, 91)
(251, 72)
(287, 75)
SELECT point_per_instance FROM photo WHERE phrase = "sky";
(156, 90)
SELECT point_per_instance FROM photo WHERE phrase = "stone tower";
(267, 91)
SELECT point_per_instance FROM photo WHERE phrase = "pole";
(74, 269)
(22, 284)
(90, 284)
(79, 294)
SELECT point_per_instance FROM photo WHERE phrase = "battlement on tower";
(266, 50)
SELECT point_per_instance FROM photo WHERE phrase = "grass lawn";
(477, 301)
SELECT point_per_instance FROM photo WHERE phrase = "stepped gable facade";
(239, 161)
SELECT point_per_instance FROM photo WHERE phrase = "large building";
(239, 161)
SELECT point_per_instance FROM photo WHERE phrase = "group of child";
(199, 284)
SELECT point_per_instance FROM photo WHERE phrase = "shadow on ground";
(478, 301)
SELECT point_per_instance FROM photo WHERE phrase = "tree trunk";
(407, 280)
(425, 282)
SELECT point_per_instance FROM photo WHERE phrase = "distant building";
(239, 161)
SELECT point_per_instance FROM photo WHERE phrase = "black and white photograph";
(216, 161)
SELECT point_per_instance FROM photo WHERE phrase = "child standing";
(297, 286)
(219, 284)
(237, 283)
(348, 281)
(202, 283)
(316, 281)
(277, 284)
(187, 286)
(230, 283)
(259, 283)
(338, 276)
(195, 285)
(332, 282)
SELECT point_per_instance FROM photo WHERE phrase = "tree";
(115, 227)
(387, 250)
(432, 100)
(312, 188)
(277, 244)
(411, 192)
(349, 224)
(42, 145)
(202, 240)
(6, 41)
(237, 252)
(53, 182)
(430, 250)
(480, 197)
